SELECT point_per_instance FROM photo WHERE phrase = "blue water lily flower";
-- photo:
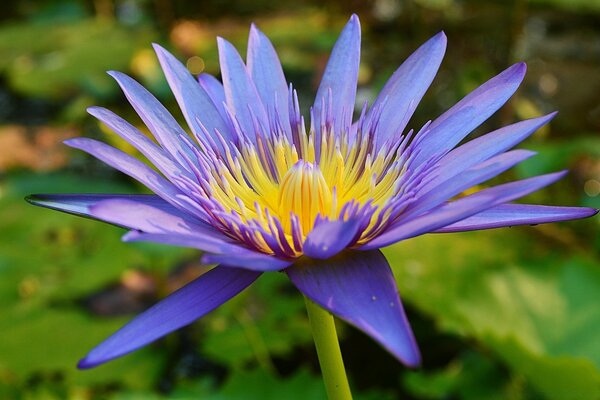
(257, 189)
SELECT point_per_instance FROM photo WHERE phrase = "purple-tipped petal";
(341, 77)
(79, 204)
(213, 87)
(329, 238)
(156, 117)
(248, 259)
(359, 288)
(218, 251)
(194, 101)
(181, 308)
(486, 146)
(210, 243)
(451, 127)
(518, 214)
(462, 208)
(488, 169)
(155, 154)
(266, 72)
(128, 165)
(240, 93)
(404, 90)
(151, 219)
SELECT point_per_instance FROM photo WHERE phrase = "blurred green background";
(501, 314)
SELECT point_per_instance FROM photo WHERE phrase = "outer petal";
(462, 208)
(218, 250)
(213, 88)
(248, 259)
(469, 178)
(359, 288)
(486, 146)
(341, 77)
(402, 93)
(329, 238)
(451, 127)
(240, 93)
(80, 204)
(126, 164)
(266, 72)
(155, 154)
(151, 219)
(518, 214)
(137, 170)
(193, 100)
(156, 117)
(181, 308)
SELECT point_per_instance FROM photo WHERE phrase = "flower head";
(257, 189)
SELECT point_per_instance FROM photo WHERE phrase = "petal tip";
(84, 363)
(519, 69)
(34, 199)
(73, 142)
(441, 37)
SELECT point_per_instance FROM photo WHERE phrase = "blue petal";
(462, 208)
(181, 308)
(195, 103)
(79, 204)
(266, 72)
(341, 77)
(518, 214)
(126, 164)
(486, 146)
(156, 117)
(469, 178)
(248, 259)
(359, 288)
(328, 238)
(151, 219)
(213, 88)
(450, 128)
(240, 93)
(155, 154)
(402, 93)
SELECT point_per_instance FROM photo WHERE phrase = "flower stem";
(328, 351)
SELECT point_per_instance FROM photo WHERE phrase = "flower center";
(269, 194)
(305, 193)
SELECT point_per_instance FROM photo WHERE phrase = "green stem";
(328, 351)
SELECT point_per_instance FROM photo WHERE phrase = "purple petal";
(359, 288)
(213, 87)
(450, 128)
(219, 252)
(240, 93)
(155, 154)
(462, 208)
(126, 164)
(341, 77)
(469, 178)
(486, 146)
(210, 243)
(79, 204)
(329, 238)
(151, 219)
(518, 214)
(181, 308)
(404, 90)
(195, 103)
(248, 259)
(266, 72)
(156, 117)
